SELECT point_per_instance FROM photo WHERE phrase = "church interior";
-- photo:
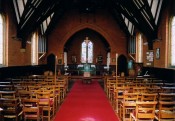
(87, 60)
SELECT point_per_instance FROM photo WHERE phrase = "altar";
(87, 67)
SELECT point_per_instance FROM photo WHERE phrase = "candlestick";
(116, 64)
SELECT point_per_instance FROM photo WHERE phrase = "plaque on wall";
(74, 59)
(59, 61)
(100, 59)
(149, 58)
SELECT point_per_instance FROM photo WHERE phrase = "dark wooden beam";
(38, 16)
(143, 24)
(121, 23)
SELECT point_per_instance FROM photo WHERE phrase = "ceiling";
(143, 15)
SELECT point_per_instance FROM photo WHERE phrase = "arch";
(51, 61)
(87, 26)
(122, 64)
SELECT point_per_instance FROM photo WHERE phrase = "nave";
(86, 102)
(43, 98)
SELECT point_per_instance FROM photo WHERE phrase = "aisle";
(86, 102)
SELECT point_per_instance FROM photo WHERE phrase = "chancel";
(93, 60)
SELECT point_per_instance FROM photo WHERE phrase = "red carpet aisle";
(86, 102)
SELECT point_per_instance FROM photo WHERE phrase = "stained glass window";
(90, 52)
(87, 52)
(83, 52)
(173, 42)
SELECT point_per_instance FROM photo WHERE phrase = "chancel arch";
(92, 27)
(96, 45)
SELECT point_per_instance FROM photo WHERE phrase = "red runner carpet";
(86, 102)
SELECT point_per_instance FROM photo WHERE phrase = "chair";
(169, 84)
(53, 98)
(139, 90)
(166, 111)
(168, 89)
(168, 97)
(154, 89)
(8, 94)
(6, 87)
(149, 97)
(25, 94)
(31, 109)
(116, 91)
(128, 104)
(11, 108)
(61, 82)
(45, 103)
(58, 95)
(110, 85)
(145, 111)
(118, 96)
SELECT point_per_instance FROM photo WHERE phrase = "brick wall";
(14, 55)
(72, 23)
(101, 22)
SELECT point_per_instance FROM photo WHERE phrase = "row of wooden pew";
(34, 97)
(141, 98)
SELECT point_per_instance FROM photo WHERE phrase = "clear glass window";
(173, 42)
(1, 41)
(34, 49)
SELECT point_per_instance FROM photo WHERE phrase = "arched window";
(34, 49)
(173, 42)
(2, 46)
(86, 51)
